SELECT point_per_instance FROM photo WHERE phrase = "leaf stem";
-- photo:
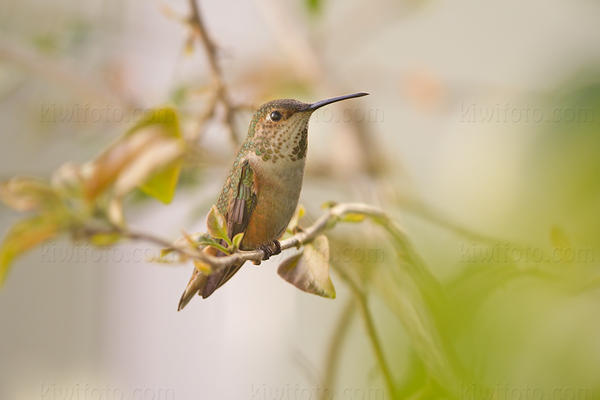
(363, 304)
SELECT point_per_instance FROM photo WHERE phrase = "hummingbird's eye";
(275, 116)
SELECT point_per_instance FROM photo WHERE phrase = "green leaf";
(352, 217)
(24, 236)
(166, 251)
(162, 185)
(105, 239)
(207, 240)
(216, 245)
(147, 156)
(237, 239)
(217, 227)
(309, 270)
(329, 204)
(293, 224)
(166, 117)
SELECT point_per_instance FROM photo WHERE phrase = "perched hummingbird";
(261, 193)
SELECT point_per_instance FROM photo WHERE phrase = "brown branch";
(326, 222)
(221, 92)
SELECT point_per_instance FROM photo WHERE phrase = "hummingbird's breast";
(278, 186)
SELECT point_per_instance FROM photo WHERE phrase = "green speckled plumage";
(266, 141)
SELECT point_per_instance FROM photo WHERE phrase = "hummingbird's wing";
(238, 214)
(242, 203)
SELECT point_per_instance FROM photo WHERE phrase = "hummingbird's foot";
(277, 247)
(271, 249)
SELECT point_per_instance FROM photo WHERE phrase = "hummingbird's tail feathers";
(215, 281)
(197, 281)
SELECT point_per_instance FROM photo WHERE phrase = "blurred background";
(481, 138)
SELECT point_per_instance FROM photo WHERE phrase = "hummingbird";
(260, 195)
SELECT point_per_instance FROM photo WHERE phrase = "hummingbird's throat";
(285, 143)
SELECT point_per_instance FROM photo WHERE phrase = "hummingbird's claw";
(269, 251)
(277, 247)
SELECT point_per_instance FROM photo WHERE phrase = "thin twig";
(89, 232)
(322, 224)
(221, 92)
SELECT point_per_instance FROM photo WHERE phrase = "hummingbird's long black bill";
(322, 103)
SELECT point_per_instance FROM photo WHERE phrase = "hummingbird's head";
(279, 128)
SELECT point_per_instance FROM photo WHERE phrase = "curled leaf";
(293, 225)
(217, 226)
(105, 169)
(155, 169)
(115, 212)
(237, 239)
(24, 236)
(147, 156)
(162, 184)
(68, 178)
(309, 270)
(26, 194)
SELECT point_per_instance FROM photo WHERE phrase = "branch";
(326, 222)
(221, 92)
